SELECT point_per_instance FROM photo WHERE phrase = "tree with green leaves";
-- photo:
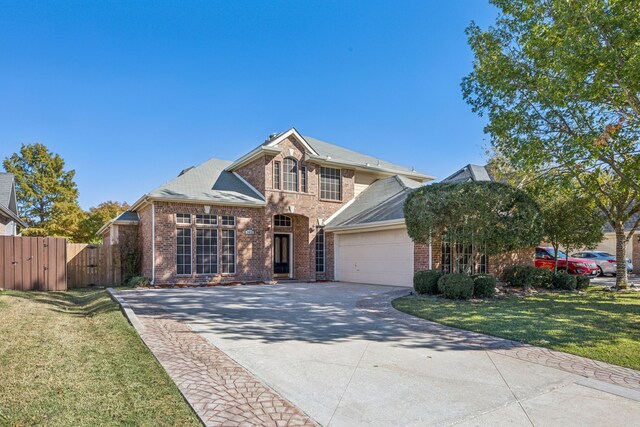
(495, 216)
(560, 83)
(47, 194)
(96, 217)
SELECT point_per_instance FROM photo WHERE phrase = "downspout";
(153, 243)
(430, 254)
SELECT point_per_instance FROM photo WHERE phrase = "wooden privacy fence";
(93, 265)
(33, 263)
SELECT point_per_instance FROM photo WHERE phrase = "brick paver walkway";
(380, 305)
(221, 391)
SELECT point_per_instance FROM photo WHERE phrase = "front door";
(281, 255)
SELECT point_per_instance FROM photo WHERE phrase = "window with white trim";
(183, 218)
(290, 174)
(330, 184)
(282, 221)
(183, 251)
(228, 251)
(320, 251)
(303, 179)
(206, 251)
(206, 219)
(276, 175)
(227, 220)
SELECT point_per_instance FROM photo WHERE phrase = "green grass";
(599, 325)
(72, 359)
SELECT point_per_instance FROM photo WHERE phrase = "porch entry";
(282, 255)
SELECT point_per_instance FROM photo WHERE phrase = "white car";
(605, 261)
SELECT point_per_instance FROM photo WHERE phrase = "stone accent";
(498, 264)
(218, 389)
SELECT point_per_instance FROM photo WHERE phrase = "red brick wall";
(146, 239)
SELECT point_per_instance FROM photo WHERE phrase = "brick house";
(292, 208)
(10, 222)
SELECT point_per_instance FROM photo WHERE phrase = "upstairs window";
(290, 174)
(330, 184)
(303, 179)
(276, 175)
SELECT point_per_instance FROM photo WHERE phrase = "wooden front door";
(281, 255)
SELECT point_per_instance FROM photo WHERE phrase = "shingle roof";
(208, 182)
(127, 216)
(342, 154)
(6, 188)
(381, 201)
(469, 173)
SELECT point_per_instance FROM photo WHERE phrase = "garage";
(376, 257)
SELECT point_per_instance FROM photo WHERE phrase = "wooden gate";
(93, 265)
(33, 263)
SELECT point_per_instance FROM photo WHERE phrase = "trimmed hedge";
(582, 282)
(564, 281)
(426, 281)
(526, 276)
(456, 286)
(484, 285)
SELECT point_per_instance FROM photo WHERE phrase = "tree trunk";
(555, 258)
(621, 257)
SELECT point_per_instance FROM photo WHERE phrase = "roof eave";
(368, 168)
(370, 226)
(252, 155)
(9, 213)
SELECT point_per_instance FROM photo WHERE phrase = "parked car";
(582, 266)
(606, 262)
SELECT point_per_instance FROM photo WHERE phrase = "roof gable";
(469, 172)
(276, 140)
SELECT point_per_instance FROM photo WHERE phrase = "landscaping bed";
(594, 323)
(72, 359)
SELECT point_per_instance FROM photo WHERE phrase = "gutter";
(364, 167)
(370, 226)
(12, 215)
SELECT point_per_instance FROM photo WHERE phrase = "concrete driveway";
(345, 366)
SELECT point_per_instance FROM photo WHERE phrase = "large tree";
(560, 83)
(495, 216)
(46, 192)
(96, 217)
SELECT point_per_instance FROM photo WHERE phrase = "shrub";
(564, 281)
(426, 282)
(582, 282)
(484, 285)
(527, 276)
(456, 286)
(136, 281)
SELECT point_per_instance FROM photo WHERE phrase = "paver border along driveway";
(342, 355)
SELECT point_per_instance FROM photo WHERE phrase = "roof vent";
(183, 171)
(271, 137)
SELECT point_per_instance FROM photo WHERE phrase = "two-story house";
(10, 222)
(292, 208)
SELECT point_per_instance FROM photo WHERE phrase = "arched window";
(290, 174)
(281, 221)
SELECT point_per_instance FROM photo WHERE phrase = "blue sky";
(130, 92)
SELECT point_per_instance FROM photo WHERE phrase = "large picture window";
(183, 251)
(228, 251)
(330, 184)
(206, 251)
(290, 174)
(320, 251)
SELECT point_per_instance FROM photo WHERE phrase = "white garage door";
(377, 257)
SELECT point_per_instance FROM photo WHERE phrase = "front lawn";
(72, 359)
(599, 325)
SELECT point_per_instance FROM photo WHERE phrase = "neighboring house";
(292, 208)
(10, 222)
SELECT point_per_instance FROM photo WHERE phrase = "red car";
(545, 259)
